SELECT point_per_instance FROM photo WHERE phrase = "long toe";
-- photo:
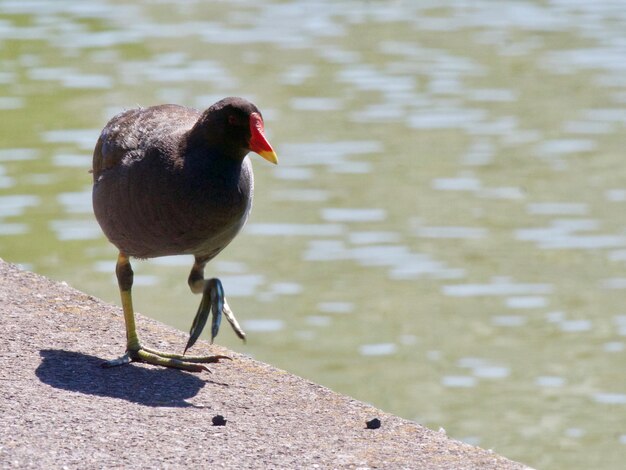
(159, 358)
(205, 359)
(120, 361)
(230, 316)
(212, 302)
(182, 357)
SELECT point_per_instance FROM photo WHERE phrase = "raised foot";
(159, 358)
(213, 302)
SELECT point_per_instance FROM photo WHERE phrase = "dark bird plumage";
(170, 180)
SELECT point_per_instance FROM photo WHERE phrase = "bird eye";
(232, 120)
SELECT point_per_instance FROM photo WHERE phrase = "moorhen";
(171, 180)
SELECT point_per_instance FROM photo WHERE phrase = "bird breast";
(150, 210)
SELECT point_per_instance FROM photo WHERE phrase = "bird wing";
(132, 132)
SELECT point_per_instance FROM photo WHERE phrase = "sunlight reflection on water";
(455, 165)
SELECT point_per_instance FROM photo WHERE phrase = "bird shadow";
(158, 387)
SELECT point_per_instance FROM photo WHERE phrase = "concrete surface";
(59, 409)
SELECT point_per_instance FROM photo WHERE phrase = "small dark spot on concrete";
(373, 423)
(218, 420)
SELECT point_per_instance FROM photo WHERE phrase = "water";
(444, 236)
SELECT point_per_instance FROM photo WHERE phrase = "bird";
(172, 180)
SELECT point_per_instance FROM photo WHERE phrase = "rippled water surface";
(445, 234)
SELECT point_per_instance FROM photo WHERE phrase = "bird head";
(236, 122)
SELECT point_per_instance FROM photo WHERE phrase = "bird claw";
(213, 301)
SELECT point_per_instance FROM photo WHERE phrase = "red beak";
(258, 142)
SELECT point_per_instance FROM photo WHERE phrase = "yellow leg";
(134, 350)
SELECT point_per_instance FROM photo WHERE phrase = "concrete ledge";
(59, 409)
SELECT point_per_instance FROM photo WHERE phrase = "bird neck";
(211, 133)
(210, 163)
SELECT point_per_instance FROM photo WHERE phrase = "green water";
(444, 236)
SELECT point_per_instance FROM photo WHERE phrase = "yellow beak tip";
(270, 156)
